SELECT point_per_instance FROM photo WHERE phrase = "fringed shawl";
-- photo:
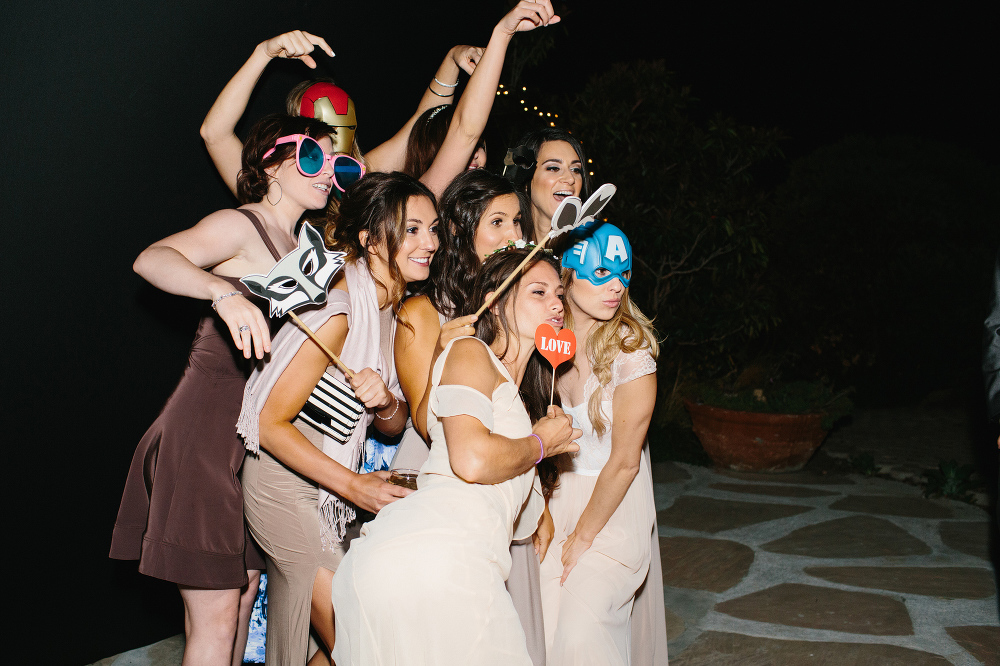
(361, 350)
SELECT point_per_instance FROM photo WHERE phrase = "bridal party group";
(530, 538)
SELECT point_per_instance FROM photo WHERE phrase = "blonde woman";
(603, 507)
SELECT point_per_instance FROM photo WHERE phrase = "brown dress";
(181, 514)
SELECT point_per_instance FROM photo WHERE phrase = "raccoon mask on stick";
(300, 278)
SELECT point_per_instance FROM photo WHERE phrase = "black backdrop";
(101, 104)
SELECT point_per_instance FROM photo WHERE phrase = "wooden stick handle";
(513, 274)
(326, 350)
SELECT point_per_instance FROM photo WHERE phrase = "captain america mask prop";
(598, 246)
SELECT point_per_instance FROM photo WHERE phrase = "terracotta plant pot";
(754, 442)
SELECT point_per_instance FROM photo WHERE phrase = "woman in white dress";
(482, 213)
(424, 583)
(603, 506)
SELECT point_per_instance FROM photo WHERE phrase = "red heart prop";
(557, 348)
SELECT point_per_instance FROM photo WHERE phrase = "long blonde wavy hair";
(627, 331)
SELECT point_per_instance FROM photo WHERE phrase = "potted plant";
(776, 428)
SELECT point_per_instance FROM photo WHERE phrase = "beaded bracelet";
(446, 85)
(451, 94)
(389, 418)
(541, 446)
(215, 303)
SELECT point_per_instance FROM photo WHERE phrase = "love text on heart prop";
(557, 348)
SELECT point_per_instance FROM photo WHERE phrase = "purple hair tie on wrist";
(541, 454)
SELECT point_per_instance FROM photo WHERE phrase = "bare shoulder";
(226, 227)
(340, 282)
(470, 363)
(419, 313)
(229, 220)
(419, 307)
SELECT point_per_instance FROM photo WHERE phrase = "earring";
(268, 195)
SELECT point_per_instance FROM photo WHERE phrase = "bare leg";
(247, 599)
(321, 616)
(209, 625)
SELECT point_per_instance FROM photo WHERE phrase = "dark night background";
(102, 104)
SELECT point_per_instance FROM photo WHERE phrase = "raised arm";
(179, 264)
(478, 455)
(473, 110)
(391, 155)
(284, 441)
(632, 408)
(219, 127)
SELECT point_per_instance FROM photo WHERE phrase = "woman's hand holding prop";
(300, 278)
(557, 433)
(570, 214)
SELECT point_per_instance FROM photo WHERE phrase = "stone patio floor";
(810, 568)
(806, 568)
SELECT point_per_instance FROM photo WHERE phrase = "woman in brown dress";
(181, 514)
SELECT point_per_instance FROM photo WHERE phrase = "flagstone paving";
(965, 537)
(944, 582)
(806, 568)
(706, 514)
(912, 507)
(715, 647)
(797, 605)
(849, 537)
(982, 642)
(773, 491)
(810, 568)
(698, 563)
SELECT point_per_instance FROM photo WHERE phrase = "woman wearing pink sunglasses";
(181, 513)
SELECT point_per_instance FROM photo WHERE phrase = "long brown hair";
(456, 264)
(534, 387)
(376, 204)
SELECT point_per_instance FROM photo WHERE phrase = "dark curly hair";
(535, 384)
(463, 204)
(530, 144)
(376, 204)
(252, 181)
(426, 137)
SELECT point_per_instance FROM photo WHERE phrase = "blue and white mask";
(600, 245)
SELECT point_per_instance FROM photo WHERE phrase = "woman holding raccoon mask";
(181, 514)
(301, 486)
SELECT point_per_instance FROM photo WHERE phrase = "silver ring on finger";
(244, 328)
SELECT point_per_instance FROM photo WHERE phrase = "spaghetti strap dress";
(181, 513)
(523, 582)
(588, 619)
(424, 583)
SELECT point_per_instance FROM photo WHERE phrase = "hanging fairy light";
(527, 107)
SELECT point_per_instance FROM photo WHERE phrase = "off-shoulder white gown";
(424, 583)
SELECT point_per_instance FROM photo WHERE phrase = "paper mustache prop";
(300, 278)
(570, 214)
(557, 348)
